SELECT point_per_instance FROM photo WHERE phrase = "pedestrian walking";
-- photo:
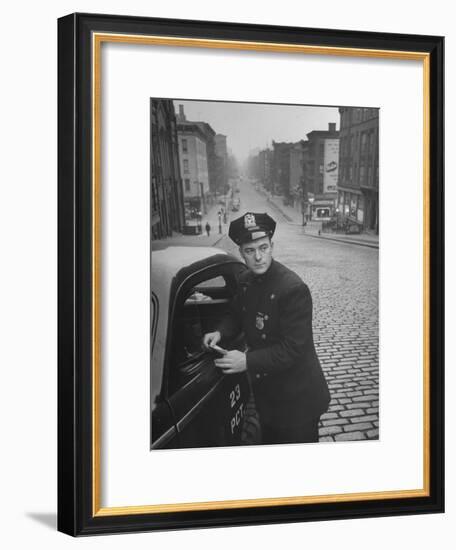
(273, 308)
(208, 229)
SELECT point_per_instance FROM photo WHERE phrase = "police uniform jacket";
(274, 311)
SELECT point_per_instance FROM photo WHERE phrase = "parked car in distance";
(193, 404)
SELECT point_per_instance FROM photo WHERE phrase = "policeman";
(273, 307)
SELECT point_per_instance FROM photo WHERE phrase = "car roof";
(167, 262)
(173, 258)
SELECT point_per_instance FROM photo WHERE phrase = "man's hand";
(211, 339)
(233, 362)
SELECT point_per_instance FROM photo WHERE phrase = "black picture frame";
(77, 509)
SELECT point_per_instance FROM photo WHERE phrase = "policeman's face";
(257, 255)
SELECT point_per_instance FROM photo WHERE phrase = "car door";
(208, 406)
(163, 427)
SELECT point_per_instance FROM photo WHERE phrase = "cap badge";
(249, 221)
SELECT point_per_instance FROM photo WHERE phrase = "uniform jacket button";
(258, 376)
(263, 336)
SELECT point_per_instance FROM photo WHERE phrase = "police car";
(193, 404)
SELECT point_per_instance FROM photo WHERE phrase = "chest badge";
(259, 321)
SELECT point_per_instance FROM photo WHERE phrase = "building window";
(187, 184)
(184, 146)
(364, 143)
(186, 166)
(371, 142)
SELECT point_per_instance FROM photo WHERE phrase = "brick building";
(166, 196)
(221, 152)
(321, 160)
(296, 174)
(281, 169)
(265, 168)
(194, 163)
(358, 171)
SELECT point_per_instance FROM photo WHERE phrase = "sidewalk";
(288, 212)
(177, 239)
(362, 239)
(188, 240)
(313, 228)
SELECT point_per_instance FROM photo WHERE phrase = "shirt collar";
(265, 276)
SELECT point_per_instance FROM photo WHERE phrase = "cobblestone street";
(343, 280)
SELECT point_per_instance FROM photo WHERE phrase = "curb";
(292, 222)
(274, 205)
(218, 240)
(346, 241)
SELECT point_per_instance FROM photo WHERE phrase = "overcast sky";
(251, 125)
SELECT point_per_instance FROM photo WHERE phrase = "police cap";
(251, 226)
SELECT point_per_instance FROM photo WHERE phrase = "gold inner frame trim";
(253, 503)
(97, 40)
(426, 272)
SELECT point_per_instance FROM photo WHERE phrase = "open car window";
(201, 303)
(215, 282)
(209, 290)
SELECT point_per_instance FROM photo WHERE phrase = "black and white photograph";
(218, 332)
(264, 273)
